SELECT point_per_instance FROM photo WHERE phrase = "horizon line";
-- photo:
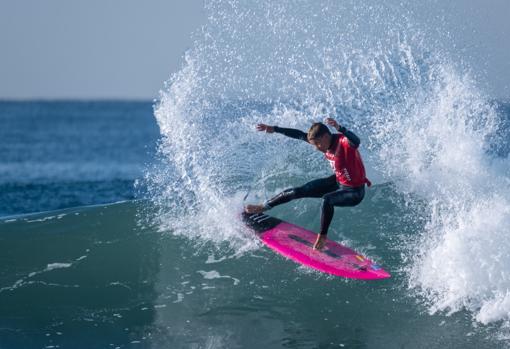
(504, 100)
(78, 99)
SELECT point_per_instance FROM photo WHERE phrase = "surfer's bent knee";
(344, 198)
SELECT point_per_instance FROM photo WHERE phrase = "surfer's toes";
(254, 208)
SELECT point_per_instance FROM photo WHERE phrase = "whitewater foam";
(438, 151)
(425, 126)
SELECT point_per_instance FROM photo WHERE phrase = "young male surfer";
(345, 188)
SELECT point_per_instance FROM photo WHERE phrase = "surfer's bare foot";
(320, 242)
(254, 208)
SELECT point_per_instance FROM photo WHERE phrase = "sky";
(126, 49)
(106, 49)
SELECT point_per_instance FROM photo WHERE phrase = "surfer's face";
(322, 143)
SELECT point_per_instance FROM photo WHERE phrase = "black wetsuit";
(331, 192)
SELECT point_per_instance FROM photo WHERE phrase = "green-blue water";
(94, 277)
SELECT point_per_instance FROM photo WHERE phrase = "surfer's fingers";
(331, 121)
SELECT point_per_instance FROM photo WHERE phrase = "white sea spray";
(425, 126)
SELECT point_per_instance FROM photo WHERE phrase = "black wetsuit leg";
(344, 196)
(314, 189)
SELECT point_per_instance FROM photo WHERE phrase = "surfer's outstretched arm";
(289, 132)
(292, 133)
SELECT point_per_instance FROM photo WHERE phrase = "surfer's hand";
(319, 243)
(264, 127)
(332, 122)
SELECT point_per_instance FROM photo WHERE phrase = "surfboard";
(296, 243)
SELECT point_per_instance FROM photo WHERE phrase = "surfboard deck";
(296, 243)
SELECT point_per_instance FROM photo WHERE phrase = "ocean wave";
(425, 125)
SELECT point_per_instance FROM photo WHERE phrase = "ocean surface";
(119, 220)
(58, 154)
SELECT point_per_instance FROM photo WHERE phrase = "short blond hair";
(317, 130)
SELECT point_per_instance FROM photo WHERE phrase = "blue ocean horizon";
(66, 153)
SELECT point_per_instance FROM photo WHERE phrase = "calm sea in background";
(61, 154)
(119, 221)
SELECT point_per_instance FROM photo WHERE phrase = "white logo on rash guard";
(343, 171)
(346, 174)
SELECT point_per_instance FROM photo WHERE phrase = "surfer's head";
(319, 136)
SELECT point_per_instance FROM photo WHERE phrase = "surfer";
(345, 188)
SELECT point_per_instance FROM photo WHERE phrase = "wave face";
(93, 277)
(426, 129)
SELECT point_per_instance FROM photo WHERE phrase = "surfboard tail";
(260, 222)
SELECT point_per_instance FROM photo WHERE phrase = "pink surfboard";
(296, 243)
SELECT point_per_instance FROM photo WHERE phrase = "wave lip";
(437, 150)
